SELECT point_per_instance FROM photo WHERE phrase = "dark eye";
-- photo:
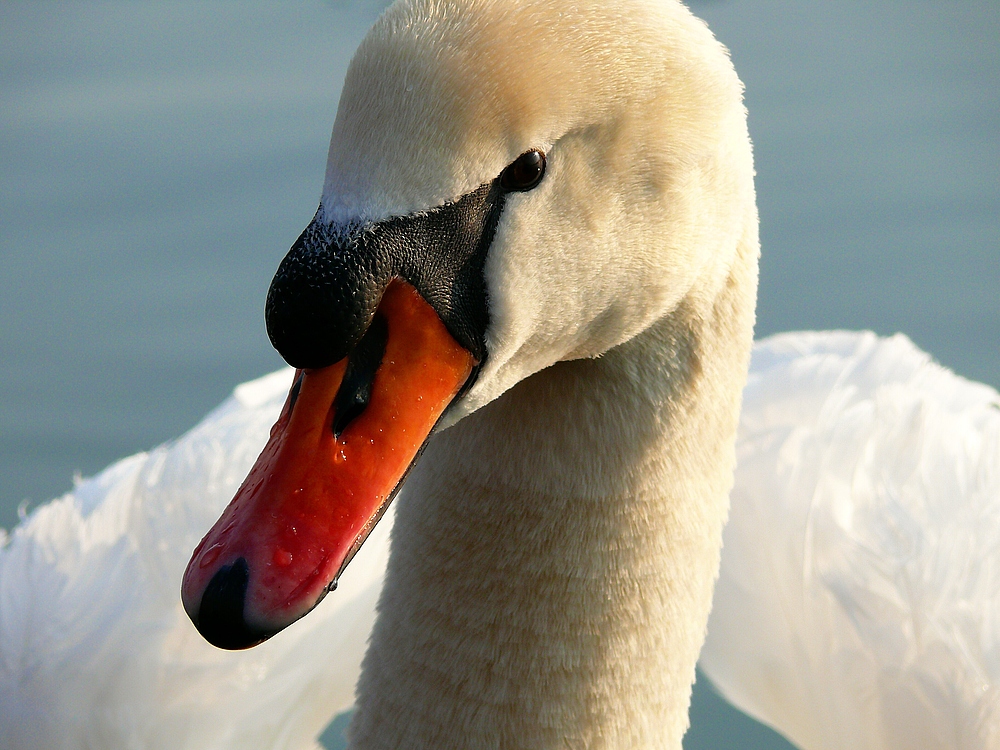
(524, 172)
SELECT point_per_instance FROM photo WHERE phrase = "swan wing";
(858, 604)
(95, 648)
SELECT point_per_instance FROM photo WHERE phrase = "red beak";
(335, 458)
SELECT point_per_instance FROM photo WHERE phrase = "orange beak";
(346, 437)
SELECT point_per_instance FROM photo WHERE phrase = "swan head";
(648, 175)
(509, 185)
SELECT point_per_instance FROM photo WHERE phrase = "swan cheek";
(345, 440)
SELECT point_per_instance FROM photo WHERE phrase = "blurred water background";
(158, 159)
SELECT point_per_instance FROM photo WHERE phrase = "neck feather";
(554, 555)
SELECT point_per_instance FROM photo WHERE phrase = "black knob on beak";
(324, 295)
(327, 289)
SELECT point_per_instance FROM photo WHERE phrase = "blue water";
(158, 159)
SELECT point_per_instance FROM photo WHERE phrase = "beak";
(346, 437)
(386, 323)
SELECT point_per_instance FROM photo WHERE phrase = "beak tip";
(219, 616)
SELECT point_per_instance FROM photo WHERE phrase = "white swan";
(593, 635)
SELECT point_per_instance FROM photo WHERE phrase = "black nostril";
(293, 396)
(356, 387)
(220, 617)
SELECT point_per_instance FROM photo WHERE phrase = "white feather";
(858, 605)
(95, 649)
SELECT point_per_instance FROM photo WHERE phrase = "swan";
(555, 548)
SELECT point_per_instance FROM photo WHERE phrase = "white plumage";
(95, 648)
(857, 605)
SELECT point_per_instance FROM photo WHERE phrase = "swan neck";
(553, 557)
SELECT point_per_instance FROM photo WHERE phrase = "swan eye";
(524, 172)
